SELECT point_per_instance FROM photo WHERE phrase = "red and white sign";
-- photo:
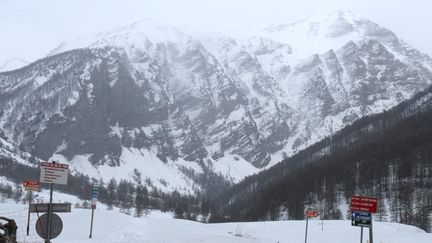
(54, 173)
(31, 185)
(364, 204)
(311, 213)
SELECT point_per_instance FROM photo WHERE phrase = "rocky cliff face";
(147, 96)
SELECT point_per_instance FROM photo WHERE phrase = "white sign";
(54, 173)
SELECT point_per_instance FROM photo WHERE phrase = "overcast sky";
(30, 28)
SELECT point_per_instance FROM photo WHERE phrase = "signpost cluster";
(362, 209)
(49, 225)
(55, 221)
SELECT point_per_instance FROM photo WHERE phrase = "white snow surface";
(318, 33)
(158, 227)
(10, 150)
(234, 167)
(136, 35)
(167, 177)
(164, 176)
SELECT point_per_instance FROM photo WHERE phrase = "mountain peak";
(139, 33)
(322, 32)
(322, 20)
(149, 28)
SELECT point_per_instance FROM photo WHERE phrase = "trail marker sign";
(363, 219)
(95, 193)
(54, 173)
(311, 213)
(32, 185)
(364, 204)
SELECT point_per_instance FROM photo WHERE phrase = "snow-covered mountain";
(180, 108)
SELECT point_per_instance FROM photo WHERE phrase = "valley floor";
(113, 226)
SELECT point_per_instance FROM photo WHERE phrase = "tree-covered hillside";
(388, 156)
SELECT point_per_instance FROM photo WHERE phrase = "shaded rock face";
(111, 107)
(197, 99)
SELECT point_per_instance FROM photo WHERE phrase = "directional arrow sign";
(311, 214)
(361, 219)
(32, 185)
(361, 215)
(361, 223)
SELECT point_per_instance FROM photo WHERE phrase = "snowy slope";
(10, 150)
(112, 226)
(166, 176)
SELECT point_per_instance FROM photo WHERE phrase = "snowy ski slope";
(113, 226)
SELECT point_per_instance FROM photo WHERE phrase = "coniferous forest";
(387, 156)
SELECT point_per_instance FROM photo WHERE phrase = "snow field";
(158, 227)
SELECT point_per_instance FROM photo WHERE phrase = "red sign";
(31, 185)
(364, 204)
(311, 213)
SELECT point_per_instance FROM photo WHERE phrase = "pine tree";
(112, 194)
(141, 200)
(178, 213)
(17, 193)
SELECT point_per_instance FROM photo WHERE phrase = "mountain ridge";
(186, 102)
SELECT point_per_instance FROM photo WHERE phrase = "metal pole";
(361, 235)
(370, 233)
(322, 223)
(307, 219)
(91, 224)
(48, 237)
(28, 216)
